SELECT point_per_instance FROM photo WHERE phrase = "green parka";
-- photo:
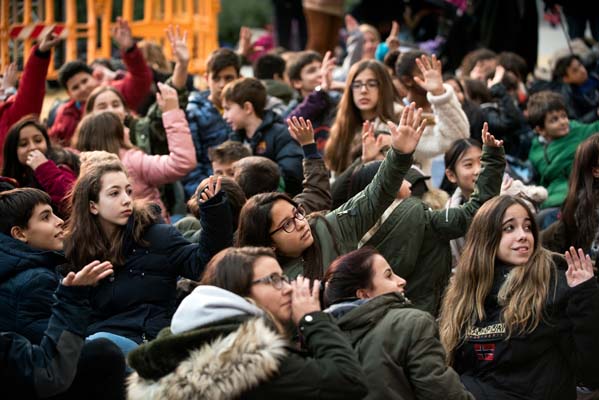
(400, 352)
(415, 239)
(339, 231)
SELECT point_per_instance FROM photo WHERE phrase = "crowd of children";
(288, 234)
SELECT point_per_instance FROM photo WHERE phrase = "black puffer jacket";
(140, 298)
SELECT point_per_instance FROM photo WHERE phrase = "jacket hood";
(16, 256)
(224, 368)
(360, 320)
(207, 305)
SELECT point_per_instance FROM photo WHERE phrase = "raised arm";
(161, 169)
(316, 193)
(355, 217)
(136, 84)
(453, 222)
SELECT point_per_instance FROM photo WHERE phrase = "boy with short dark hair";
(225, 155)
(312, 77)
(79, 81)
(244, 101)
(204, 114)
(552, 151)
(579, 88)
(31, 293)
(270, 69)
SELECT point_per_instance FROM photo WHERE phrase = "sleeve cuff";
(311, 151)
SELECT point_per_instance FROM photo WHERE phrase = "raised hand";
(406, 135)
(497, 77)
(166, 97)
(121, 32)
(245, 41)
(432, 75)
(178, 44)
(9, 80)
(35, 158)
(351, 24)
(392, 40)
(488, 138)
(89, 275)
(210, 190)
(301, 130)
(326, 71)
(580, 267)
(303, 300)
(49, 41)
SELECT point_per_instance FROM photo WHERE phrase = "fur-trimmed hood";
(218, 347)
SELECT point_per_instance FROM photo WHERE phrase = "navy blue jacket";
(272, 140)
(140, 298)
(208, 129)
(41, 371)
(27, 282)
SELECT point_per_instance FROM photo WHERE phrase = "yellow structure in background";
(198, 17)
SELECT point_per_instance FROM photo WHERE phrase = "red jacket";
(57, 181)
(30, 96)
(134, 87)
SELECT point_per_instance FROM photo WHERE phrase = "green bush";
(236, 13)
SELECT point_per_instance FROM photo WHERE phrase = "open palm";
(580, 267)
(406, 135)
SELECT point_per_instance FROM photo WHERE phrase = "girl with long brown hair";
(148, 256)
(513, 324)
(33, 161)
(368, 96)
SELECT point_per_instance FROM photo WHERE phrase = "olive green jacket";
(415, 239)
(400, 352)
(339, 231)
(148, 132)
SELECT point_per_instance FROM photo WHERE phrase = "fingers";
(315, 289)
(394, 29)
(68, 280)
(217, 187)
(417, 118)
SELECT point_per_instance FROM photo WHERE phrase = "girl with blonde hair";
(513, 324)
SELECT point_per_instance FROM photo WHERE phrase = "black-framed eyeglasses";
(275, 280)
(290, 224)
(369, 84)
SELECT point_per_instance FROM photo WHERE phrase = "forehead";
(470, 153)
(231, 105)
(225, 72)
(515, 211)
(111, 179)
(107, 96)
(313, 65)
(40, 208)
(29, 131)
(555, 113)
(379, 264)
(281, 209)
(264, 266)
(78, 77)
(365, 75)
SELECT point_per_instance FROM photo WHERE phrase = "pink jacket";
(147, 172)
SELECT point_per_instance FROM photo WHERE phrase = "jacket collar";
(16, 256)
(227, 366)
(362, 319)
